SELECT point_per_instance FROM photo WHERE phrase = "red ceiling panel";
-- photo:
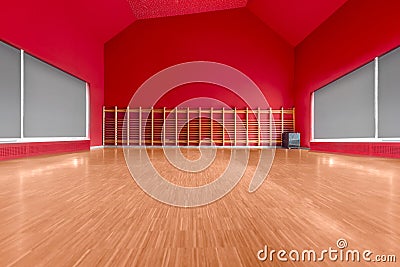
(97, 20)
(103, 19)
(144, 9)
(294, 20)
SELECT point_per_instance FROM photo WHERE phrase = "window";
(389, 95)
(39, 102)
(363, 105)
(345, 108)
(10, 92)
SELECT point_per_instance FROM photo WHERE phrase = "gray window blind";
(345, 108)
(10, 92)
(54, 101)
(389, 95)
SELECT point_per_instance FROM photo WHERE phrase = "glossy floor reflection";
(85, 209)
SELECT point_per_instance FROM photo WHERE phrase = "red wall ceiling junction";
(357, 33)
(233, 37)
(294, 19)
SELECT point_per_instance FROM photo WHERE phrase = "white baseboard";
(96, 147)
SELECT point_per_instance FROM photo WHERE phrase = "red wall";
(59, 41)
(354, 35)
(233, 37)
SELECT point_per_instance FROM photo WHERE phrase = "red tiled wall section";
(389, 150)
(13, 151)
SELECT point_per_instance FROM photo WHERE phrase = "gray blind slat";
(10, 92)
(54, 102)
(389, 95)
(345, 108)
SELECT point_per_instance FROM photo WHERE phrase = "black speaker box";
(291, 140)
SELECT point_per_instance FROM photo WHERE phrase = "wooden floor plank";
(84, 209)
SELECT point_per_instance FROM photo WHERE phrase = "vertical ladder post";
(128, 126)
(176, 126)
(282, 123)
(270, 126)
(199, 126)
(247, 126)
(259, 126)
(152, 126)
(164, 125)
(223, 126)
(211, 125)
(294, 119)
(234, 123)
(140, 126)
(116, 125)
(104, 125)
(188, 122)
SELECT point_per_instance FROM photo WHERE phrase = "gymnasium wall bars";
(194, 127)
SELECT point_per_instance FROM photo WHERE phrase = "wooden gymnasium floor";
(84, 209)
